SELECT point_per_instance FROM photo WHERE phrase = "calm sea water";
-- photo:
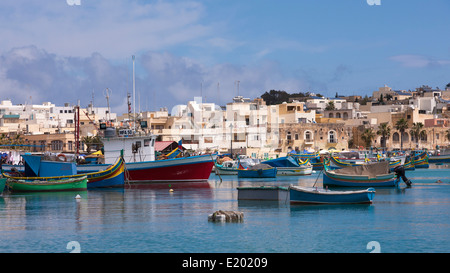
(151, 219)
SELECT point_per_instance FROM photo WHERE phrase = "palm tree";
(447, 134)
(384, 130)
(92, 141)
(418, 132)
(401, 125)
(368, 136)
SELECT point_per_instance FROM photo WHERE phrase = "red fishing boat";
(142, 166)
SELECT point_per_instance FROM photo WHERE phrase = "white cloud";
(418, 61)
(162, 79)
(116, 28)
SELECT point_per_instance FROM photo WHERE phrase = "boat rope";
(218, 172)
(318, 176)
(126, 173)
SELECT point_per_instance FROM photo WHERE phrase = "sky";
(72, 51)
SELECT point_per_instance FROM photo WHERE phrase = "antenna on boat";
(107, 92)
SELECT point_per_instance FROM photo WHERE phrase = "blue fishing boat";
(409, 164)
(368, 175)
(421, 160)
(438, 156)
(258, 171)
(42, 170)
(288, 166)
(314, 159)
(301, 195)
(439, 159)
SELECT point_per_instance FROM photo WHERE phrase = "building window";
(332, 137)
(42, 145)
(57, 145)
(396, 137)
(308, 136)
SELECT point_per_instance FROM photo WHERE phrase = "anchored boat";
(258, 171)
(301, 195)
(367, 175)
(37, 169)
(288, 166)
(68, 184)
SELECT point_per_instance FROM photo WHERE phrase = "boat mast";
(77, 129)
(134, 98)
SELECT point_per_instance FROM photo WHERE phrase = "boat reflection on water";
(165, 185)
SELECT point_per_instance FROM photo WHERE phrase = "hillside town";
(389, 119)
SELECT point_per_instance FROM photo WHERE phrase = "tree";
(401, 125)
(92, 141)
(384, 130)
(330, 105)
(368, 136)
(418, 132)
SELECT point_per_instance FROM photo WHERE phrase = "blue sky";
(51, 51)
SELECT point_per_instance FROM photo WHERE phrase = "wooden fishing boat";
(68, 184)
(231, 167)
(112, 176)
(226, 168)
(288, 166)
(301, 195)
(258, 171)
(142, 167)
(439, 158)
(421, 160)
(314, 159)
(342, 163)
(409, 164)
(368, 175)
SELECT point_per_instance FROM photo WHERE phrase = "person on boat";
(400, 172)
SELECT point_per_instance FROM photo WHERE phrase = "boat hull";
(347, 181)
(225, 170)
(261, 173)
(72, 184)
(112, 177)
(299, 195)
(439, 159)
(293, 171)
(189, 169)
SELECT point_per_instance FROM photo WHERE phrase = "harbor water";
(173, 218)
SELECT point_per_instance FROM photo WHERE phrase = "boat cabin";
(136, 148)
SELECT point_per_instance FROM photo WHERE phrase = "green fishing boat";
(2, 184)
(69, 184)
